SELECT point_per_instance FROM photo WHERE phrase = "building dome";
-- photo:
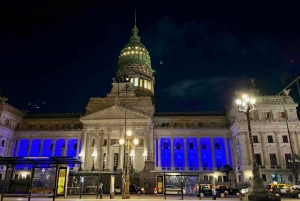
(134, 53)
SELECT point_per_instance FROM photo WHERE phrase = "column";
(29, 147)
(96, 150)
(6, 146)
(145, 143)
(65, 151)
(159, 153)
(199, 153)
(294, 140)
(108, 150)
(186, 164)
(83, 149)
(77, 148)
(120, 164)
(41, 147)
(18, 147)
(11, 147)
(154, 151)
(54, 146)
(264, 149)
(226, 150)
(279, 150)
(100, 152)
(172, 153)
(212, 144)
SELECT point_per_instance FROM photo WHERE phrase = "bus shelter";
(48, 176)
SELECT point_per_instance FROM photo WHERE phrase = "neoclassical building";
(195, 142)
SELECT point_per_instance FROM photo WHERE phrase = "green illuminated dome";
(134, 52)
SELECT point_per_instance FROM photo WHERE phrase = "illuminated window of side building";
(145, 84)
(136, 82)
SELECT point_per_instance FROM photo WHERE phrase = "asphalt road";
(134, 197)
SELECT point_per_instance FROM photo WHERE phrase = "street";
(135, 197)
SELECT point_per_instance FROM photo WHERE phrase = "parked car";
(205, 190)
(287, 191)
(170, 189)
(274, 186)
(133, 189)
(224, 190)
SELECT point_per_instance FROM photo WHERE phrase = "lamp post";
(294, 162)
(130, 145)
(80, 157)
(93, 155)
(257, 191)
(123, 78)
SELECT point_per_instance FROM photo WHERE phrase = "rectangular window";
(200, 124)
(165, 145)
(258, 159)
(273, 159)
(217, 146)
(167, 124)
(255, 139)
(41, 126)
(285, 139)
(203, 146)
(105, 142)
(205, 177)
(177, 145)
(145, 84)
(93, 143)
(30, 126)
(281, 115)
(219, 178)
(116, 161)
(270, 139)
(264, 177)
(191, 145)
(3, 143)
(163, 124)
(175, 124)
(64, 125)
(288, 159)
(268, 115)
(136, 82)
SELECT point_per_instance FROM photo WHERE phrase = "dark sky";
(58, 54)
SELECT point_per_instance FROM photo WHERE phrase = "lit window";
(141, 82)
(136, 82)
(132, 52)
(145, 84)
(131, 80)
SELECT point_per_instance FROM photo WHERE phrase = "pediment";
(114, 113)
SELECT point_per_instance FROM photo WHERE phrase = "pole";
(294, 169)
(124, 154)
(181, 186)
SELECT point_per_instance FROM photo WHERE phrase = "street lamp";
(130, 144)
(80, 157)
(294, 161)
(93, 155)
(123, 78)
(246, 104)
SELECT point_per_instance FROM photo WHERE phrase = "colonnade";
(192, 153)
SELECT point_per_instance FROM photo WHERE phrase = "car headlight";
(142, 189)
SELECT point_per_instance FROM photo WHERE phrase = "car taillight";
(155, 188)
(271, 189)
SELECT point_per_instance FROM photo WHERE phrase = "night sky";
(55, 55)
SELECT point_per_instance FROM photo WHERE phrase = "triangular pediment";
(114, 112)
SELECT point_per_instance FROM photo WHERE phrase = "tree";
(226, 169)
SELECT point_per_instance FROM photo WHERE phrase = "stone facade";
(198, 142)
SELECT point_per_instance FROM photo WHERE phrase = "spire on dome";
(135, 30)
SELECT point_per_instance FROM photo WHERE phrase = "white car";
(170, 189)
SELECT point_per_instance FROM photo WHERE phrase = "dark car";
(205, 190)
(133, 189)
(287, 191)
(224, 190)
